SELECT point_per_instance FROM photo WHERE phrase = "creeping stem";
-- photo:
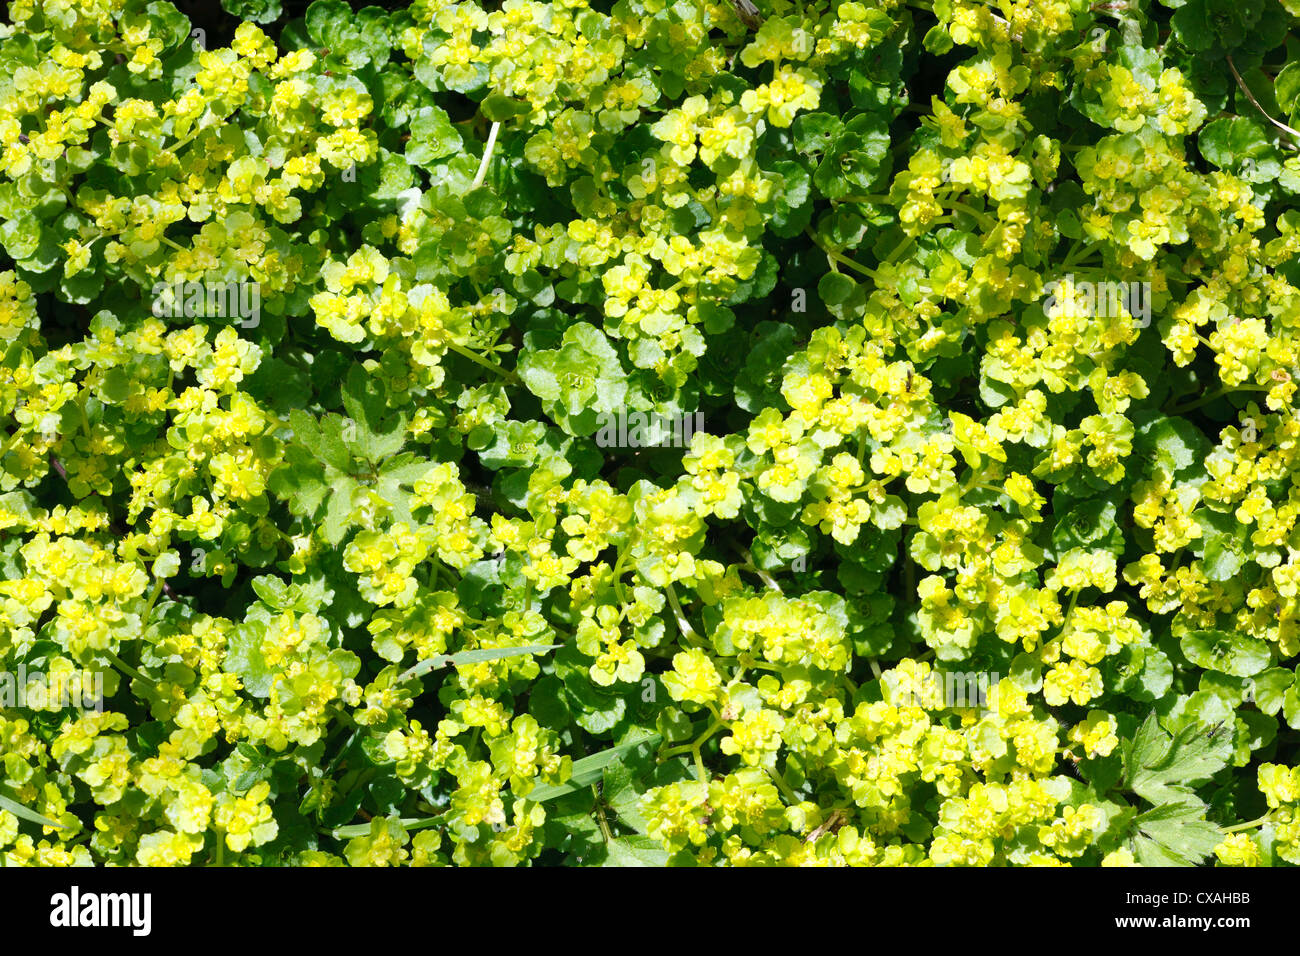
(837, 258)
(126, 668)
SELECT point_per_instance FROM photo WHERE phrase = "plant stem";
(1246, 826)
(762, 575)
(153, 599)
(487, 155)
(703, 739)
(617, 573)
(836, 257)
(783, 786)
(126, 668)
(600, 816)
(902, 247)
(1219, 393)
(198, 128)
(1069, 615)
(986, 222)
(1255, 103)
(683, 625)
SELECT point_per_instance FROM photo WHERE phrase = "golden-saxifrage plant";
(981, 547)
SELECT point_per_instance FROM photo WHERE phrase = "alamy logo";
(36, 691)
(647, 430)
(229, 300)
(76, 909)
(1100, 299)
(942, 689)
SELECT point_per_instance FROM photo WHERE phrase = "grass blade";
(361, 829)
(473, 657)
(588, 770)
(31, 816)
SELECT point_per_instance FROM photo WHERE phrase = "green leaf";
(635, 851)
(116, 386)
(390, 177)
(814, 133)
(793, 211)
(1145, 672)
(539, 377)
(937, 40)
(858, 159)
(767, 350)
(170, 25)
(362, 396)
(583, 378)
(620, 792)
(271, 590)
(1286, 88)
(1091, 525)
(395, 476)
(378, 434)
(1269, 688)
(1227, 653)
(1176, 834)
(244, 658)
(1242, 145)
(516, 444)
(432, 137)
(1259, 730)
(1067, 223)
(1191, 24)
(20, 237)
(1222, 545)
(327, 22)
(835, 288)
(300, 481)
(499, 108)
(1291, 706)
(546, 701)
(1222, 559)
(338, 511)
(255, 11)
(1175, 444)
(1161, 768)
(595, 709)
(325, 440)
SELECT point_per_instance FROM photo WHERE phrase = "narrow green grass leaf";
(31, 816)
(473, 657)
(361, 829)
(588, 770)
